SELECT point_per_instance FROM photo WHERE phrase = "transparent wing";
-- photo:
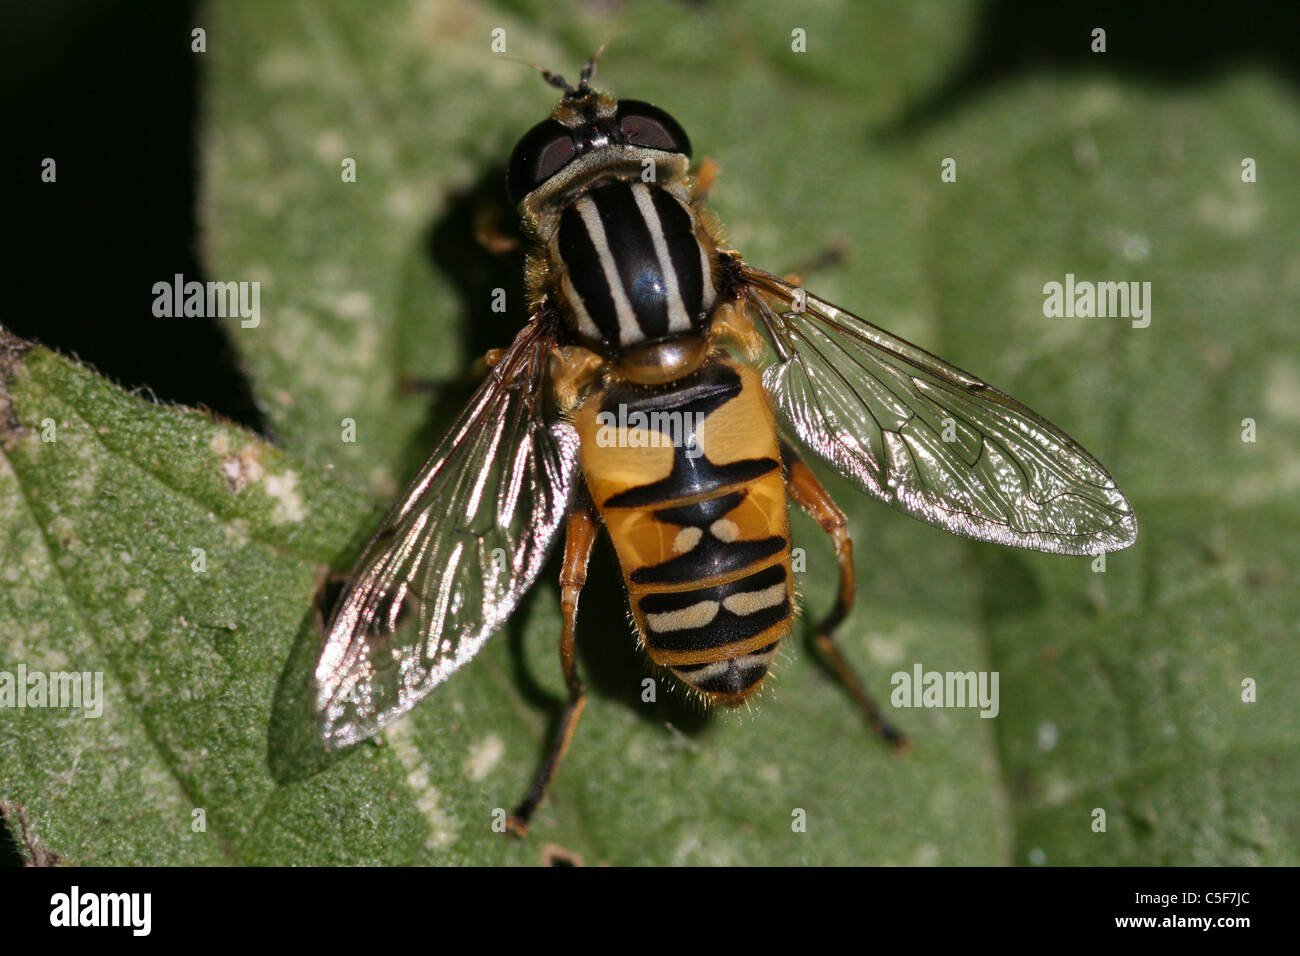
(455, 555)
(927, 438)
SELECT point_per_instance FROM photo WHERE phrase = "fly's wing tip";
(337, 726)
(1118, 536)
(1126, 533)
(341, 732)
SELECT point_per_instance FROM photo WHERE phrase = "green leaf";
(1120, 691)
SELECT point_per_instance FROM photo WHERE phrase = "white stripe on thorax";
(706, 273)
(585, 325)
(628, 329)
(678, 320)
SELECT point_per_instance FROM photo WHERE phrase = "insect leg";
(809, 494)
(832, 255)
(416, 385)
(705, 176)
(488, 232)
(580, 535)
(731, 326)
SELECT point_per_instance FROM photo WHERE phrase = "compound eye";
(650, 127)
(544, 151)
(554, 156)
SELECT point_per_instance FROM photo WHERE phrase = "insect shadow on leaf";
(1010, 586)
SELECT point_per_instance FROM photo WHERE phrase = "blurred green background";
(1120, 691)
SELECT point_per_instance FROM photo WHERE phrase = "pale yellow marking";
(610, 463)
(751, 601)
(688, 618)
(724, 529)
(743, 427)
(713, 670)
(686, 539)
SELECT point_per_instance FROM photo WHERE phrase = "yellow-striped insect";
(649, 394)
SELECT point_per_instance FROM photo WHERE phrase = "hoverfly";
(643, 327)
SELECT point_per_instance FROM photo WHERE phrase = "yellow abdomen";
(687, 478)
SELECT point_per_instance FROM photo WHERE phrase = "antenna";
(589, 69)
(553, 78)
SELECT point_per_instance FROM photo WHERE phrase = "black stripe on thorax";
(642, 276)
(683, 250)
(639, 269)
(587, 273)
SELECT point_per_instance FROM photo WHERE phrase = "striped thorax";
(631, 268)
(620, 249)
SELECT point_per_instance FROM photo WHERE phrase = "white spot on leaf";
(484, 756)
(284, 489)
